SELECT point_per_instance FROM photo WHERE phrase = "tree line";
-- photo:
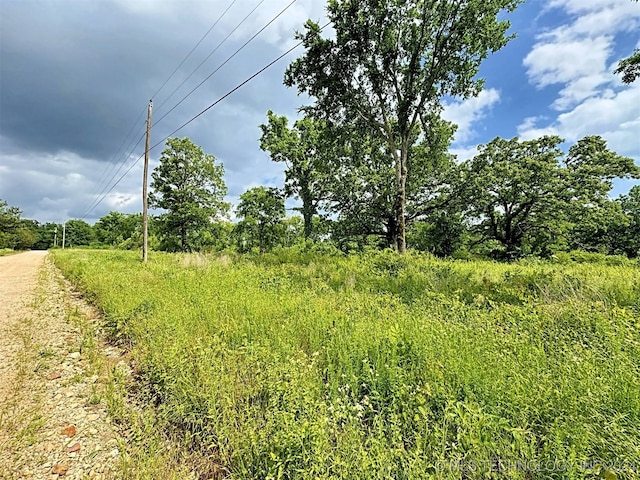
(514, 198)
(369, 160)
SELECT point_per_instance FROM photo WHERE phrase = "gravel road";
(53, 423)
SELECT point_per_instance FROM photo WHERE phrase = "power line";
(121, 149)
(97, 202)
(233, 90)
(229, 93)
(227, 60)
(208, 56)
(193, 50)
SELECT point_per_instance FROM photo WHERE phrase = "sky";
(76, 77)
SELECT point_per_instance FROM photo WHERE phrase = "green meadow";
(378, 366)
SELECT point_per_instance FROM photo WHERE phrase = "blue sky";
(75, 76)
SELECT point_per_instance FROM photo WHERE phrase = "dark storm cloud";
(75, 75)
(73, 79)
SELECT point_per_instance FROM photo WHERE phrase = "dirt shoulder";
(53, 422)
(18, 280)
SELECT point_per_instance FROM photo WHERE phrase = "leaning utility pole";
(145, 219)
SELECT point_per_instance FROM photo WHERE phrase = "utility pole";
(64, 233)
(145, 219)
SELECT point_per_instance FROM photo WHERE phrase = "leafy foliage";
(300, 365)
(261, 211)
(115, 228)
(389, 64)
(360, 184)
(47, 233)
(301, 149)
(189, 185)
(527, 197)
(443, 234)
(628, 239)
(629, 67)
(16, 233)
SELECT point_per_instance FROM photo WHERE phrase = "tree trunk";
(183, 237)
(401, 199)
(308, 210)
(261, 238)
(391, 237)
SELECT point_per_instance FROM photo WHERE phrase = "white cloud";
(614, 116)
(576, 7)
(467, 112)
(580, 64)
(560, 61)
(578, 54)
(464, 153)
(528, 130)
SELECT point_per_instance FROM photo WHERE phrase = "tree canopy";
(529, 192)
(389, 65)
(115, 228)
(15, 232)
(78, 233)
(261, 211)
(189, 185)
(301, 149)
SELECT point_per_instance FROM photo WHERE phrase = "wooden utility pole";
(64, 233)
(145, 219)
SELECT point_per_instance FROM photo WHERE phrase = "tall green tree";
(189, 185)
(600, 227)
(261, 211)
(515, 188)
(78, 233)
(360, 186)
(115, 227)
(302, 150)
(629, 237)
(15, 232)
(389, 65)
(529, 194)
(9, 224)
(28, 234)
(46, 235)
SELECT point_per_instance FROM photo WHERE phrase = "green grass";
(295, 365)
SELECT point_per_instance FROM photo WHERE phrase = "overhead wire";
(193, 50)
(212, 105)
(233, 90)
(112, 162)
(95, 202)
(122, 145)
(121, 149)
(227, 60)
(159, 107)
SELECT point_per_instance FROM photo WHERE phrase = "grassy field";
(295, 365)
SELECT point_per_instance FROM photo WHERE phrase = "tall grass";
(297, 365)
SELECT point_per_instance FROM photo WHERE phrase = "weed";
(299, 364)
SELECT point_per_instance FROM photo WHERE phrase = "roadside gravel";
(53, 422)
